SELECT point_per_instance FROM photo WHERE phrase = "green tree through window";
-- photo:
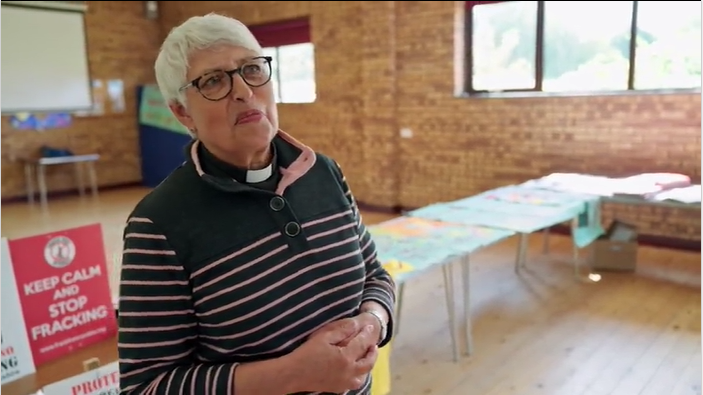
(585, 47)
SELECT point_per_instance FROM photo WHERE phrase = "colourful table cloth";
(523, 210)
(419, 244)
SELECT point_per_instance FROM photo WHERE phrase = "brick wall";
(122, 44)
(386, 65)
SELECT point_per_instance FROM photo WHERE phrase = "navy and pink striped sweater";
(217, 273)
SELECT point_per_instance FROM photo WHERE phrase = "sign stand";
(17, 360)
(91, 364)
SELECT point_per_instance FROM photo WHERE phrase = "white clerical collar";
(254, 176)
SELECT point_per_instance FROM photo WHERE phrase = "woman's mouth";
(249, 116)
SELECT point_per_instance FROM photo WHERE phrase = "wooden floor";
(537, 333)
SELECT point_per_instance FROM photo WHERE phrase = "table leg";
(521, 252)
(93, 178)
(449, 294)
(398, 307)
(29, 180)
(468, 331)
(574, 225)
(79, 178)
(545, 245)
(576, 262)
(41, 180)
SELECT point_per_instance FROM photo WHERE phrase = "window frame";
(469, 91)
(276, 75)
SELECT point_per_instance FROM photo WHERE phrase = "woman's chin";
(254, 135)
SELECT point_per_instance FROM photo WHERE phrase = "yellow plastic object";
(381, 372)
(396, 267)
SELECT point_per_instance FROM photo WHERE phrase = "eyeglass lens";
(218, 84)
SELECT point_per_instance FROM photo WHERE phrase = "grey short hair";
(198, 32)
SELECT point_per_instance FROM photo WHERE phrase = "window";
(586, 48)
(293, 71)
(293, 66)
(668, 45)
(582, 46)
(503, 43)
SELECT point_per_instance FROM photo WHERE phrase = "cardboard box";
(616, 250)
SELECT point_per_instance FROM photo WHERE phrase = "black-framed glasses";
(216, 85)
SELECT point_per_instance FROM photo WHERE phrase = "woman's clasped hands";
(337, 358)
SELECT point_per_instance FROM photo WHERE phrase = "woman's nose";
(240, 90)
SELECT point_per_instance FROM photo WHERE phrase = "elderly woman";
(248, 270)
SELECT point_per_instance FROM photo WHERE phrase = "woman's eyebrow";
(238, 63)
(212, 70)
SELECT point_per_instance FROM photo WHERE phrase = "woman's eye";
(252, 69)
(212, 81)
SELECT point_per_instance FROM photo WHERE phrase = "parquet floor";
(536, 333)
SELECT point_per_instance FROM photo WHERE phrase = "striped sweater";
(216, 273)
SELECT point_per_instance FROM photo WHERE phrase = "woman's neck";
(256, 168)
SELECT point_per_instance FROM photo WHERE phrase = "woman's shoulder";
(329, 165)
(327, 160)
(170, 195)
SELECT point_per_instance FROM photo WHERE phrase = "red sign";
(64, 289)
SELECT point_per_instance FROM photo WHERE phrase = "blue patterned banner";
(153, 111)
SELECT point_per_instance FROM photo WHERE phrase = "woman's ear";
(181, 113)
